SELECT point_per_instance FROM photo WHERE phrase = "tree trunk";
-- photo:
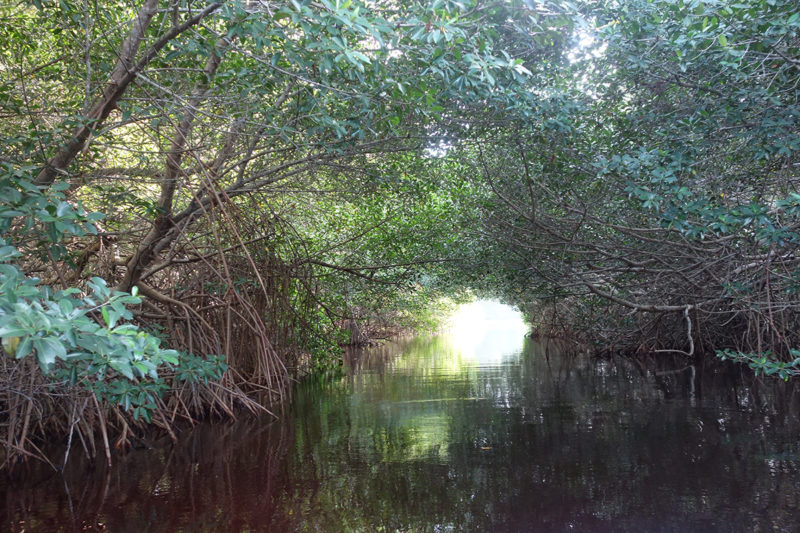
(123, 74)
(159, 235)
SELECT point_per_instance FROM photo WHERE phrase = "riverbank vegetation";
(199, 197)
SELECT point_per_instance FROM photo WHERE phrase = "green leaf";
(11, 330)
(122, 366)
(24, 348)
(47, 350)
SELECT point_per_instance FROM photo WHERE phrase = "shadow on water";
(426, 435)
(219, 477)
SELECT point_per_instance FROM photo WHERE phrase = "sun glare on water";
(487, 331)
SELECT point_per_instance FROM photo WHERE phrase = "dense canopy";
(198, 198)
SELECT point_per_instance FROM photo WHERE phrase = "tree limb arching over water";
(278, 178)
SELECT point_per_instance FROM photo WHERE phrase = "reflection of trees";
(414, 437)
(554, 440)
(218, 477)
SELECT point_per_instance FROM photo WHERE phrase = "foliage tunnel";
(199, 198)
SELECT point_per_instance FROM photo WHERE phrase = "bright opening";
(487, 331)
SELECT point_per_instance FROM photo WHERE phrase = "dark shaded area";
(218, 478)
(417, 437)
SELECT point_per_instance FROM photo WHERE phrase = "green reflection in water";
(421, 438)
(425, 435)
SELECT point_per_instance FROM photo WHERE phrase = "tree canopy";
(198, 197)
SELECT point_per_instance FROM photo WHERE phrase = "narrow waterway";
(479, 429)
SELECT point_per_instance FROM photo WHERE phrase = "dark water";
(426, 436)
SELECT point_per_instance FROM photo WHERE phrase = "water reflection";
(430, 440)
(218, 478)
(423, 436)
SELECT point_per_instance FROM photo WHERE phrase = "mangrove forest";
(205, 202)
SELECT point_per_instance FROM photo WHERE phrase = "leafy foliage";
(86, 340)
(278, 178)
(669, 184)
(765, 363)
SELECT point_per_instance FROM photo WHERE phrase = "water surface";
(467, 432)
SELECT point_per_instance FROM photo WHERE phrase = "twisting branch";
(123, 74)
